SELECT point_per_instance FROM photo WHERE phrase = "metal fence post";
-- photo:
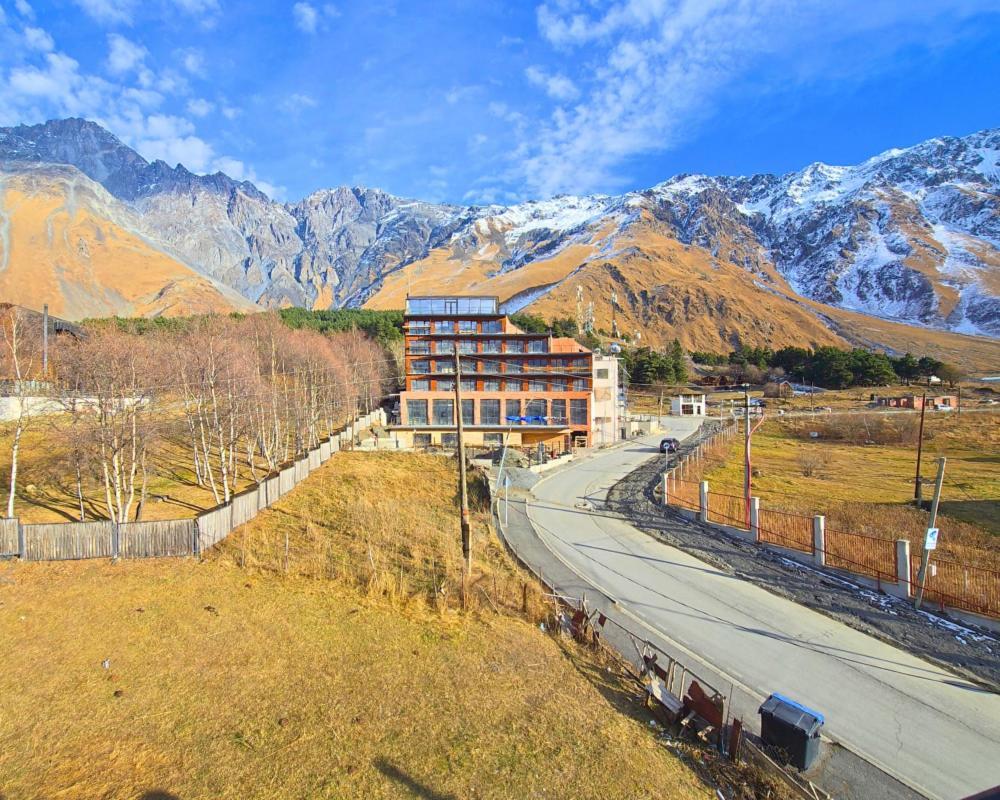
(819, 540)
(755, 518)
(703, 501)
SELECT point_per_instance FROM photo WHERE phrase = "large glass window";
(446, 384)
(444, 326)
(468, 412)
(489, 412)
(579, 385)
(490, 365)
(491, 326)
(536, 409)
(512, 410)
(536, 385)
(420, 347)
(514, 386)
(514, 366)
(444, 412)
(491, 346)
(420, 385)
(491, 385)
(449, 440)
(444, 347)
(578, 412)
(445, 365)
(559, 385)
(466, 346)
(421, 366)
(515, 346)
(468, 384)
(419, 326)
(493, 439)
(451, 305)
(416, 412)
(558, 415)
(466, 326)
(421, 440)
(537, 346)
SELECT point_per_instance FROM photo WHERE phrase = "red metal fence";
(727, 509)
(952, 584)
(786, 530)
(865, 555)
(685, 494)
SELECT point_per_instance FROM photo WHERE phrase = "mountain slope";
(910, 236)
(66, 242)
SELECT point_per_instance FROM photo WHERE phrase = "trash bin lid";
(792, 713)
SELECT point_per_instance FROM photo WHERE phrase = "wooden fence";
(61, 541)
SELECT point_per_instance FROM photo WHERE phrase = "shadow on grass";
(416, 788)
(158, 794)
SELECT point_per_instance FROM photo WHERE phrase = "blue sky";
(478, 101)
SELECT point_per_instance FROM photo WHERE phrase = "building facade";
(917, 401)
(688, 405)
(530, 389)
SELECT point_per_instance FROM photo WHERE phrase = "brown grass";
(275, 682)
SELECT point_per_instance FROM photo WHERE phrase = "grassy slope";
(866, 488)
(329, 679)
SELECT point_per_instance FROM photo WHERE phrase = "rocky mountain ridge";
(912, 234)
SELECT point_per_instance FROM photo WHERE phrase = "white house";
(688, 405)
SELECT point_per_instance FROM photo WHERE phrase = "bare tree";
(20, 369)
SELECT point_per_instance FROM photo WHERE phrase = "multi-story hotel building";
(528, 388)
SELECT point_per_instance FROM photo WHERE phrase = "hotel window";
(493, 439)
(442, 326)
(537, 346)
(515, 346)
(514, 386)
(421, 440)
(537, 386)
(468, 384)
(601, 374)
(489, 412)
(579, 385)
(535, 408)
(418, 326)
(445, 366)
(578, 412)
(512, 410)
(514, 366)
(558, 412)
(420, 385)
(491, 346)
(421, 367)
(449, 440)
(466, 346)
(467, 326)
(557, 363)
(491, 385)
(444, 412)
(444, 347)
(468, 412)
(416, 412)
(559, 385)
(491, 326)
(446, 384)
(420, 347)
(490, 365)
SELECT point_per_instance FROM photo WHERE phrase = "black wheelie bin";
(792, 729)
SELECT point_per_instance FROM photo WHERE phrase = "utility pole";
(45, 339)
(746, 453)
(917, 491)
(959, 401)
(463, 488)
(926, 554)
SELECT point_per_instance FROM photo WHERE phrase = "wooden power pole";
(926, 554)
(463, 488)
(917, 492)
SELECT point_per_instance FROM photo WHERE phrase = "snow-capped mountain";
(911, 235)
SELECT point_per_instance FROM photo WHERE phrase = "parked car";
(669, 445)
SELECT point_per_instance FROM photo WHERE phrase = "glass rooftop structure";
(452, 306)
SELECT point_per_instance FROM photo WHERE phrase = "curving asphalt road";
(931, 730)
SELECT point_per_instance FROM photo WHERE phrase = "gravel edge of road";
(969, 652)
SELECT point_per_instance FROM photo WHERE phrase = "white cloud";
(458, 93)
(193, 61)
(124, 55)
(295, 103)
(239, 171)
(309, 19)
(109, 11)
(200, 107)
(38, 39)
(24, 8)
(306, 17)
(558, 87)
(231, 112)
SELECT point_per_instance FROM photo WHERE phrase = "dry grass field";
(337, 665)
(867, 488)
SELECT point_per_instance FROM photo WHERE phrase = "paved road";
(934, 731)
